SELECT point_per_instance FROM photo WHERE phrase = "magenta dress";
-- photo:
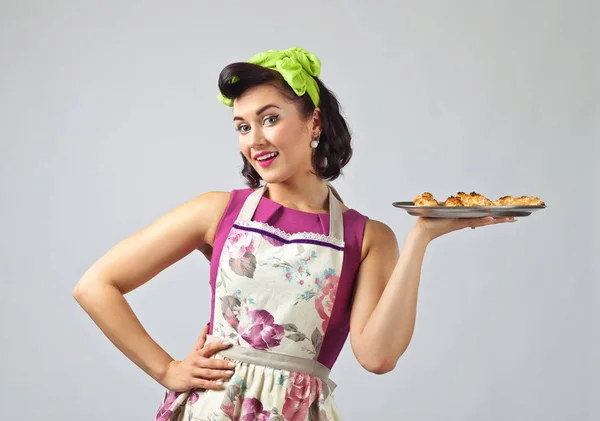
(282, 282)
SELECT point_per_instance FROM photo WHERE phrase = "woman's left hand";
(433, 228)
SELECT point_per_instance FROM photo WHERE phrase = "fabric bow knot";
(297, 66)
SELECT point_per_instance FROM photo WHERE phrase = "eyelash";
(241, 126)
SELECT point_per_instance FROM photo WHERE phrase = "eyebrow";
(259, 111)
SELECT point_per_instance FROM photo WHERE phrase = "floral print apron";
(274, 296)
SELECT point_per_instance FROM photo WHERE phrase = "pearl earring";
(315, 142)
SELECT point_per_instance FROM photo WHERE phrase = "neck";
(310, 194)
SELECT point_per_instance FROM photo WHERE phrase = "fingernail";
(232, 365)
(226, 343)
(220, 382)
(229, 373)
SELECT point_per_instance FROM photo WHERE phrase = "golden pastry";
(519, 201)
(531, 201)
(474, 199)
(425, 199)
(504, 201)
(453, 201)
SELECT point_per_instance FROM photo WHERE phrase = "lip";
(259, 154)
(266, 162)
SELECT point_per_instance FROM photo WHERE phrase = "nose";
(256, 138)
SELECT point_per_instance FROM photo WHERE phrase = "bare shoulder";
(213, 198)
(208, 209)
(377, 237)
(217, 201)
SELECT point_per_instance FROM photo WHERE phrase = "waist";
(277, 361)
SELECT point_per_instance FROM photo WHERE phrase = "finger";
(488, 220)
(501, 220)
(202, 338)
(215, 364)
(214, 347)
(204, 373)
(478, 222)
(209, 384)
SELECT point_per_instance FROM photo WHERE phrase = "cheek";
(244, 147)
(280, 136)
(287, 138)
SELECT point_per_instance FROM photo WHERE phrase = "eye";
(243, 128)
(270, 120)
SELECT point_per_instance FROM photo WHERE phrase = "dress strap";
(250, 205)
(336, 219)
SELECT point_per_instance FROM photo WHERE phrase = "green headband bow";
(297, 66)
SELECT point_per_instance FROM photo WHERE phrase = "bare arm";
(385, 302)
(133, 262)
(384, 307)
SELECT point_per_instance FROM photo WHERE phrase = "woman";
(293, 270)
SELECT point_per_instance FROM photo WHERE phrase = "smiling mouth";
(267, 156)
(266, 159)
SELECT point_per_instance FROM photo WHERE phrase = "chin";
(275, 176)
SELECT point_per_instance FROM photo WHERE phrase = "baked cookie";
(504, 201)
(425, 199)
(474, 199)
(530, 201)
(519, 201)
(453, 201)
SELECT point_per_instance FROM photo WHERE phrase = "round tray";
(466, 211)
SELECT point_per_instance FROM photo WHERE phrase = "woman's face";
(273, 136)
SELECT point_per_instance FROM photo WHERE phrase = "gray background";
(109, 118)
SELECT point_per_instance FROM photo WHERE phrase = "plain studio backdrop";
(109, 118)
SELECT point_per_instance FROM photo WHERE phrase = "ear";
(315, 124)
